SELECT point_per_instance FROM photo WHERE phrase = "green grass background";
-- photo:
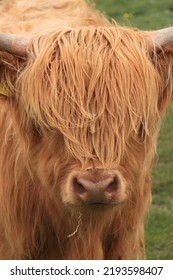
(147, 15)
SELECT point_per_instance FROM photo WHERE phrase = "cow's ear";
(161, 42)
(9, 69)
(13, 49)
(164, 65)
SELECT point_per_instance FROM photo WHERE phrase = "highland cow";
(81, 101)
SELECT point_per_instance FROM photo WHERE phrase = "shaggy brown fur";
(89, 94)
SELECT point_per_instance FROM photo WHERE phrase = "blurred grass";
(147, 15)
(144, 14)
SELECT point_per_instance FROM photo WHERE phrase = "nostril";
(112, 187)
(78, 187)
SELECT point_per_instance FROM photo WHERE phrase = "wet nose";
(95, 188)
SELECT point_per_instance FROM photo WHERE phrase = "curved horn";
(162, 37)
(14, 44)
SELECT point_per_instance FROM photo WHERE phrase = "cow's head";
(86, 104)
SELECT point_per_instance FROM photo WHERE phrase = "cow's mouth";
(95, 206)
